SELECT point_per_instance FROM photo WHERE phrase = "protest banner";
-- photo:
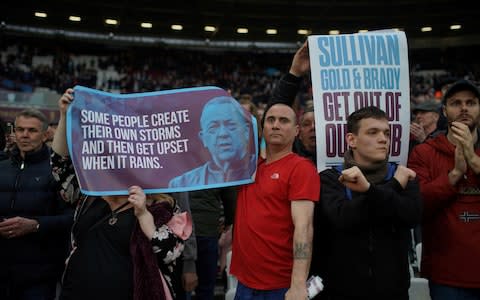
(167, 141)
(351, 71)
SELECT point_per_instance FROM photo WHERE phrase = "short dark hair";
(252, 106)
(364, 113)
(305, 111)
(270, 106)
(34, 113)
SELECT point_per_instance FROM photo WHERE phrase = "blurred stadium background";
(240, 45)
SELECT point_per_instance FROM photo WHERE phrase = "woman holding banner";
(122, 247)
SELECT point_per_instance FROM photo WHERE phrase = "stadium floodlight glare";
(455, 27)
(40, 14)
(242, 30)
(303, 31)
(111, 21)
(176, 27)
(426, 29)
(146, 25)
(334, 32)
(271, 31)
(210, 28)
(363, 30)
(75, 18)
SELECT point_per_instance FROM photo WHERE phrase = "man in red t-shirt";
(273, 229)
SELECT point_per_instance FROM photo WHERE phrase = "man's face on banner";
(224, 133)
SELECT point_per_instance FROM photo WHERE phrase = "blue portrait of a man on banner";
(225, 133)
(165, 141)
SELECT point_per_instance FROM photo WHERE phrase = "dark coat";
(28, 189)
(361, 244)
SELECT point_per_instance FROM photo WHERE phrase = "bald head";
(280, 125)
(287, 108)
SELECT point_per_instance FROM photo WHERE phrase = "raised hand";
(65, 101)
(59, 144)
(418, 132)
(137, 197)
(463, 137)
(301, 61)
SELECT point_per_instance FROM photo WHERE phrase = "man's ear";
(444, 111)
(351, 140)
(44, 136)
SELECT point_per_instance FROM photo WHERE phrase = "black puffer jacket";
(28, 189)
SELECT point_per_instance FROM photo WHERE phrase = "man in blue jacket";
(34, 221)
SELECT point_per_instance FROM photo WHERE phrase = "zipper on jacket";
(17, 182)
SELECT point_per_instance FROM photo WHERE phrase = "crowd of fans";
(26, 66)
(250, 77)
(140, 70)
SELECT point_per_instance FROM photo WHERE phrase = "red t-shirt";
(262, 252)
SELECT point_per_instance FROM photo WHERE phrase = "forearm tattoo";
(302, 251)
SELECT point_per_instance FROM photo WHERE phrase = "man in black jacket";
(286, 91)
(34, 221)
(367, 209)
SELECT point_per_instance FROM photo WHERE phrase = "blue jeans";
(446, 292)
(207, 267)
(246, 293)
